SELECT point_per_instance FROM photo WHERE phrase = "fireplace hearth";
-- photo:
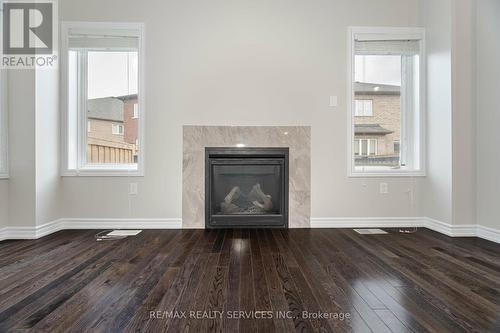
(246, 187)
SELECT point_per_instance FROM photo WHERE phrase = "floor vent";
(370, 231)
(115, 234)
(124, 233)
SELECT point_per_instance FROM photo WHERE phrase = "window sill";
(104, 172)
(387, 174)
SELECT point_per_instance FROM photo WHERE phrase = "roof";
(373, 129)
(127, 97)
(364, 88)
(107, 108)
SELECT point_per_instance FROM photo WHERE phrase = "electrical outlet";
(333, 101)
(384, 188)
(132, 189)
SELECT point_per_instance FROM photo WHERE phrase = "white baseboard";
(469, 230)
(30, 232)
(169, 223)
(71, 223)
(401, 222)
(4, 233)
(488, 233)
(322, 222)
(366, 222)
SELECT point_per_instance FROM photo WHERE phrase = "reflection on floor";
(251, 280)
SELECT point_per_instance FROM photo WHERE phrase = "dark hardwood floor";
(250, 280)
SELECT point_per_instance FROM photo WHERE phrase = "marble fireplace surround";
(196, 138)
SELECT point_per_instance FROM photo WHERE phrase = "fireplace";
(246, 187)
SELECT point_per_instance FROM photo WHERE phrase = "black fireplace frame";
(239, 156)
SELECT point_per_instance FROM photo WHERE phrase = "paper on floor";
(124, 233)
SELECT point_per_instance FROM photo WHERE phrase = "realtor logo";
(28, 34)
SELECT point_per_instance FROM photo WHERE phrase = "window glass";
(136, 111)
(112, 88)
(364, 147)
(396, 147)
(386, 103)
(378, 82)
(364, 108)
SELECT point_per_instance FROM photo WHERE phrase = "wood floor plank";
(197, 323)
(91, 302)
(295, 305)
(247, 299)
(329, 297)
(261, 290)
(421, 282)
(436, 318)
(277, 298)
(233, 284)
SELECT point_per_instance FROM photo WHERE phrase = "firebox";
(246, 187)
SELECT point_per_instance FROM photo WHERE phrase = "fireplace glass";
(246, 187)
(250, 189)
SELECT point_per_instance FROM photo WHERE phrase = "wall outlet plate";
(333, 101)
(384, 188)
(132, 188)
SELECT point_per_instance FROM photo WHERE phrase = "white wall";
(437, 187)
(21, 106)
(240, 62)
(47, 146)
(450, 184)
(463, 114)
(30, 196)
(4, 183)
(4, 202)
(488, 111)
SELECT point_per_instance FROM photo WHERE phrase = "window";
(117, 129)
(136, 111)
(363, 108)
(386, 70)
(365, 147)
(3, 126)
(396, 147)
(102, 65)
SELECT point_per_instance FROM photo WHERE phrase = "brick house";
(112, 130)
(131, 121)
(377, 124)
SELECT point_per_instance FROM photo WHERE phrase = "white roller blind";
(119, 39)
(387, 47)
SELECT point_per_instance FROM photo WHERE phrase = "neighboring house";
(131, 121)
(107, 127)
(377, 124)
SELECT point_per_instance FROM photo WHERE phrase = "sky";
(112, 74)
(378, 69)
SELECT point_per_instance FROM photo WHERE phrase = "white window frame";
(365, 102)
(360, 146)
(135, 111)
(115, 129)
(418, 124)
(82, 169)
(4, 156)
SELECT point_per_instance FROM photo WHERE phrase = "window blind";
(119, 39)
(389, 47)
